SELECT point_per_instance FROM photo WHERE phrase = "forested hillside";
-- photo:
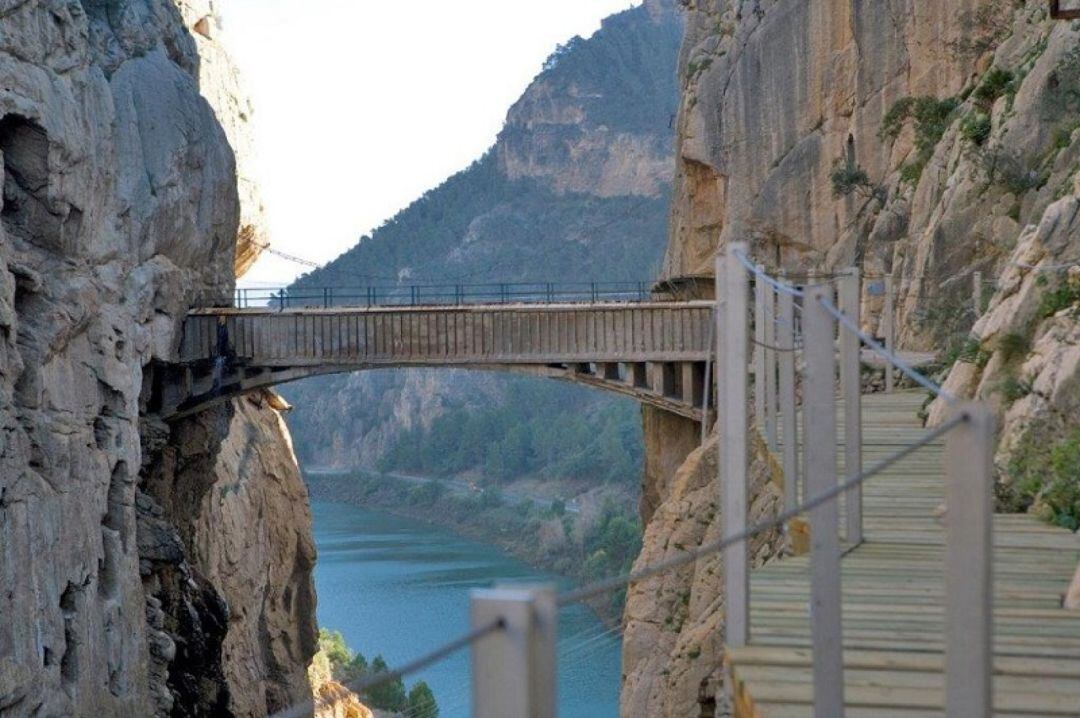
(576, 188)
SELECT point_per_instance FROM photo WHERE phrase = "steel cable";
(881, 351)
(616, 582)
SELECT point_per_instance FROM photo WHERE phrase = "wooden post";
(513, 670)
(851, 385)
(969, 599)
(759, 350)
(890, 330)
(770, 365)
(732, 354)
(785, 332)
(976, 293)
(706, 397)
(819, 409)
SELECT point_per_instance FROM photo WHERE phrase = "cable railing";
(413, 295)
(513, 640)
(825, 310)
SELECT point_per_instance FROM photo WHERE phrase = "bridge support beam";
(665, 379)
(609, 371)
(693, 382)
(637, 375)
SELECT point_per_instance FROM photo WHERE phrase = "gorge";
(165, 568)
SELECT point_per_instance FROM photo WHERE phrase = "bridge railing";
(513, 632)
(441, 294)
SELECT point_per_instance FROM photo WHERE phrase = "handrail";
(441, 294)
(906, 369)
(692, 555)
(532, 614)
(969, 476)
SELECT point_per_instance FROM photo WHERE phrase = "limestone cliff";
(673, 637)
(121, 210)
(927, 140)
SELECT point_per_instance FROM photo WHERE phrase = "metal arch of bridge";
(654, 352)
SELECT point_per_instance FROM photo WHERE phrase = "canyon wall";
(121, 210)
(923, 140)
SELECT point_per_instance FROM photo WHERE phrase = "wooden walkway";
(893, 601)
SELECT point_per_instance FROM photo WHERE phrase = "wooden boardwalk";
(893, 627)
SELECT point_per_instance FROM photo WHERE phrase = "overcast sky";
(363, 105)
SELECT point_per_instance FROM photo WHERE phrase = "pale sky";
(363, 105)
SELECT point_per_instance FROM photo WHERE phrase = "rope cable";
(881, 351)
(690, 556)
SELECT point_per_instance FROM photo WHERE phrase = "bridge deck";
(893, 602)
(467, 334)
(654, 352)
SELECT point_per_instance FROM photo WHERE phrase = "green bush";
(895, 117)
(977, 127)
(346, 667)
(1061, 298)
(389, 695)
(1013, 347)
(1013, 389)
(846, 181)
(995, 83)
(969, 351)
(911, 173)
(491, 498)
(931, 117)
(1052, 477)
(427, 493)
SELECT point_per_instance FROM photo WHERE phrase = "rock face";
(673, 638)
(923, 140)
(120, 210)
(241, 512)
(221, 85)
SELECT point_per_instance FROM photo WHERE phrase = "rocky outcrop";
(120, 210)
(925, 140)
(242, 516)
(589, 130)
(332, 699)
(220, 83)
(673, 637)
(1023, 356)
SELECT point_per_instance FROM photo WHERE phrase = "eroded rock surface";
(673, 638)
(120, 210)
(923, 140)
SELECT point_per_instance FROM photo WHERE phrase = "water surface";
(400, 587)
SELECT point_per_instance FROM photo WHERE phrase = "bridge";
(882, 606)
(655, 352)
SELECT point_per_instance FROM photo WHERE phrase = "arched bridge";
(653, 351)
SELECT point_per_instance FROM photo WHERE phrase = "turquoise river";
(400, 587)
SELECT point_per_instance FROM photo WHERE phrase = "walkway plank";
(893, 598)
